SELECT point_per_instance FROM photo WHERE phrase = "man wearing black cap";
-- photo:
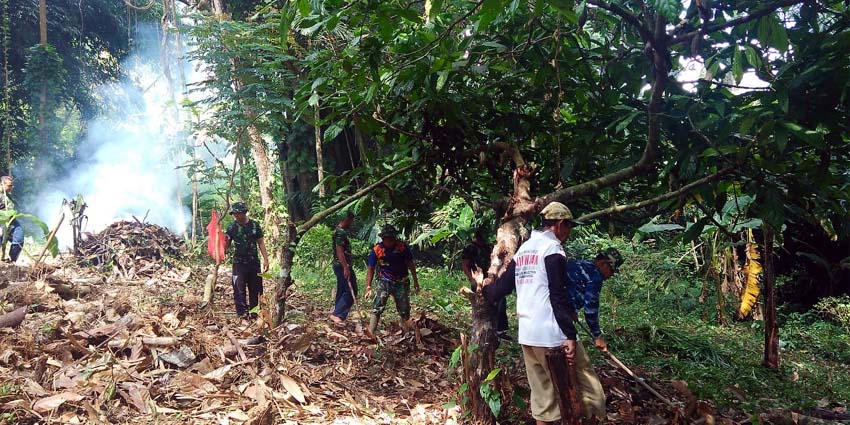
(393, 259)
(246, 236)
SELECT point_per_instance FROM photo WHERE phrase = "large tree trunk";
(7, 91)
(264, 176)
(42, 122)
(509, 237)
(771, 329)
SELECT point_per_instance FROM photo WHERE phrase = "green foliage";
(44, 68)
(7, 216)
(668, 8)
(836, 309)
(491, 396)
(316, 247)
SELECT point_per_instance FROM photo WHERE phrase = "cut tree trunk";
(565, 381)
(771, 329)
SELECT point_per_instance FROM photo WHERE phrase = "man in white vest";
(544, 310)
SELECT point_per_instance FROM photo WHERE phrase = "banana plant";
(8, 216)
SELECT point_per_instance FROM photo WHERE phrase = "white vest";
(537, 325)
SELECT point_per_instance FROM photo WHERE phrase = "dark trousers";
(246, 277)
(344, 300)
(502, 323)
(16, 238)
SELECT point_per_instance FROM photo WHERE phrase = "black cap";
(388, 232)
(238, 207)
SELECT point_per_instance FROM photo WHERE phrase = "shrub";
(315, 247)
(836, 309)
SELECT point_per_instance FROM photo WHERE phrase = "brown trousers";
(544, 401)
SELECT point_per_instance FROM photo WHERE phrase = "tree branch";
(667, 196)
(359, 194)
(737, 21)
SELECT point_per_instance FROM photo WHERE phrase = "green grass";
(654, 321)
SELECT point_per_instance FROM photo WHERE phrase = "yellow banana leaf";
(753, 272)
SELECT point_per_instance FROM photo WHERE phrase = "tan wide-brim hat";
(559, 211)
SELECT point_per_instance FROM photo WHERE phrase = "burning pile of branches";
(131, 248)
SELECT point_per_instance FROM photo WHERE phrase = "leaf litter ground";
(138, 350)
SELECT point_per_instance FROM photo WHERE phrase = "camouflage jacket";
(244, 240)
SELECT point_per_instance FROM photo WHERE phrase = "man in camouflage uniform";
(246, 236)
(393, 259)
(343, 270)
(16, 232)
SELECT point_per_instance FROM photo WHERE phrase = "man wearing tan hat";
(544, 312)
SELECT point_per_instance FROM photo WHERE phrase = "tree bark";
(7, 91)
(42, 122)
(771, 329)
(320, 169)
(271, 224)
(291, 238)
(509, 237)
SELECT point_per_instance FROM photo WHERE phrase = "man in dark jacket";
(246, 235)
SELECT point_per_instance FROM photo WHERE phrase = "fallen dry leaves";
(138, 350)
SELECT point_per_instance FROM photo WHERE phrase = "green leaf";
(490, 9)
(737, 65)
(753, 57)
(752, 223)
(441, 79)
(455, 360)
(332, 131)
(694, 230)
(782, 97)
(626, 121)
(492, 375)
(772, 33)
(285, 24)
(770, 207)
(747, 124)
(668, 8)
(492, 397)
(304, 7)
(7, 216)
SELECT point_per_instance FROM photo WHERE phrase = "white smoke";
(126, 166)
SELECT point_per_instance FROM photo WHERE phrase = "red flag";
(215, 242)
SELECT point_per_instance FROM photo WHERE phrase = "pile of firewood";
(131, 248)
